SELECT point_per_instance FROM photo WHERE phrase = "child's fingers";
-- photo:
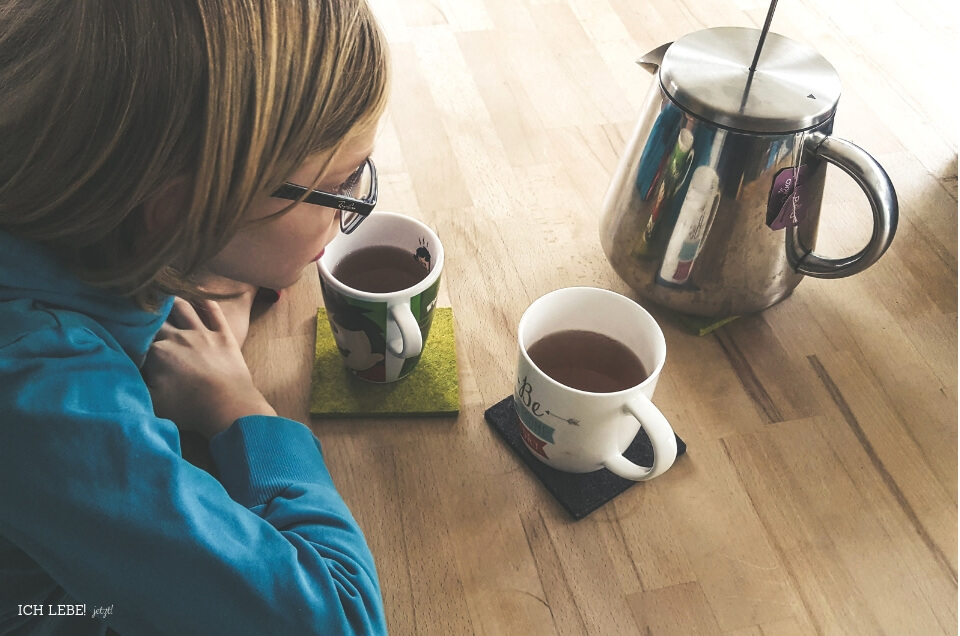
(183, 315)
(165, 330)
(151, 368)
(212, 315)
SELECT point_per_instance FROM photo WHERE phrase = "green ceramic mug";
(380, 330)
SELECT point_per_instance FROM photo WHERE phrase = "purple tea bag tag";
(786, 205)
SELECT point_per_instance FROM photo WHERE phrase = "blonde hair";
(105, 102)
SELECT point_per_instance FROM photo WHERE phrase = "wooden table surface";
(819, 492)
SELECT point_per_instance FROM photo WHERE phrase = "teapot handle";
(875, 183)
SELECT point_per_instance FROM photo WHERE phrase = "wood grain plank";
(785, 627)
(582, 595)
(644, 550)
(803, 495)
(427, 151)
(894, 455)
(680, 610)
(441, 602)
(729, 550)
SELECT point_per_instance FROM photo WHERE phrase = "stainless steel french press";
(715, 205)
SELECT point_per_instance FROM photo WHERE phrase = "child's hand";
(196, 373)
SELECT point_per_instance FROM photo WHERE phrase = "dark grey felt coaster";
(579, 494)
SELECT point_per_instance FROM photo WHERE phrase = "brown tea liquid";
(588, 361)
(380, 269)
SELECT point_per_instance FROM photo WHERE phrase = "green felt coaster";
(432, 388)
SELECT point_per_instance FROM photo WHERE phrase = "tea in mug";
(380, 269)
(587, 361)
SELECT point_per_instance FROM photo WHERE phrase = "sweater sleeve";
(94, 490)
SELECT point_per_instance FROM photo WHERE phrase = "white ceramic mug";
(578, 431)
(381, 335)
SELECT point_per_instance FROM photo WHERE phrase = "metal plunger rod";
(763, 35)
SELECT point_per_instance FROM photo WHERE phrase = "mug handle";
(661, 436)
(876, 184)
(410, 342)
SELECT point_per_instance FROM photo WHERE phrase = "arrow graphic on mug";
(565, 419)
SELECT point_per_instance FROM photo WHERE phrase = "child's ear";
(164, 209)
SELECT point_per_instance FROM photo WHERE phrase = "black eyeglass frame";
(360, 208)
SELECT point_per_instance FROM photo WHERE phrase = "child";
(141, 143)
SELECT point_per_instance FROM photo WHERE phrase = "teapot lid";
(707, 73)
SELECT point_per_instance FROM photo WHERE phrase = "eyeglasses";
(355, 198)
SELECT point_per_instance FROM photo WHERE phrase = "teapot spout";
(651, 61)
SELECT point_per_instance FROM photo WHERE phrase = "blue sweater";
(100, 514)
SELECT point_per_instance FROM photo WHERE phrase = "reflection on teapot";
(715, 205)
